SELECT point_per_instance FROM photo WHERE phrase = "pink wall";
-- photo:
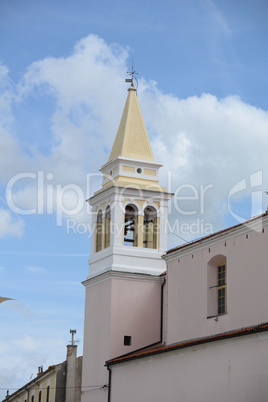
(136, 307)
(96, 328)
(233, 370)
(188, 294)
(117, 304)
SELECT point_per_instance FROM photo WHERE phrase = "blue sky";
(203, 92)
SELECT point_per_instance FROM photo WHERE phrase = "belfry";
(131, 206)
(124, 284)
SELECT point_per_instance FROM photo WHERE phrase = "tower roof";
(132, 140)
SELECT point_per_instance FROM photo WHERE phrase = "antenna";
(132, 73)
(73, 331)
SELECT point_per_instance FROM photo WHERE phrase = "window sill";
(216, 316)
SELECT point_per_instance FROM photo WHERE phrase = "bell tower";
(130, 209)
(123, 288)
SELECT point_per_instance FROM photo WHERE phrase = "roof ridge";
(192, 342)
(216, 233)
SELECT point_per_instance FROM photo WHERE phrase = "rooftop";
(217, 234)
(132, 140)
(188, 343)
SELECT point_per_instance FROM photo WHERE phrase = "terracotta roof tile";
(188, 343)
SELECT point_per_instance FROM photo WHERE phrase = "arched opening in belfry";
(130, 226)
(99, 230)
(150, 228)
(107, 229)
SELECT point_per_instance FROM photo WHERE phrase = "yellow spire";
(131, 161)
(132, 140)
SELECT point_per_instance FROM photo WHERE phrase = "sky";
(202, 87)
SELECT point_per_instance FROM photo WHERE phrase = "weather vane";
(132, 73)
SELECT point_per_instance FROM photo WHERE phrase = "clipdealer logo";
(253, 188)
(67, 201)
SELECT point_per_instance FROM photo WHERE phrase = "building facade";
(186, 324)
(215, 325)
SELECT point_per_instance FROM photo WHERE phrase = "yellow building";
(59, 383)
(43, 387)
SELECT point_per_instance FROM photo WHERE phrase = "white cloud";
(86, 87)
(208, 141)
(12, 157)
(10, 226)
(202, 140)
(87, 90)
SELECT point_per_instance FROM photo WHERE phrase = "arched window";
(217, 286)
(130, 229)
(107, 229)
(150, 229)
(99, 232)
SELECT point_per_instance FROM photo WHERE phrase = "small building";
(59, 383)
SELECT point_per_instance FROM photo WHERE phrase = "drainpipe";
(28, 394)
(109, 383)
(162, 309)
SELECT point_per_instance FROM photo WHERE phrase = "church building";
(184, 325)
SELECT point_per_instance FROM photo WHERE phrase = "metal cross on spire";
(132, 73)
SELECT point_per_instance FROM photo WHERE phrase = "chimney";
(71, 369)
(40, 370)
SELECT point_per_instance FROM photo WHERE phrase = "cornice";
(121, 275)
(128, 191)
